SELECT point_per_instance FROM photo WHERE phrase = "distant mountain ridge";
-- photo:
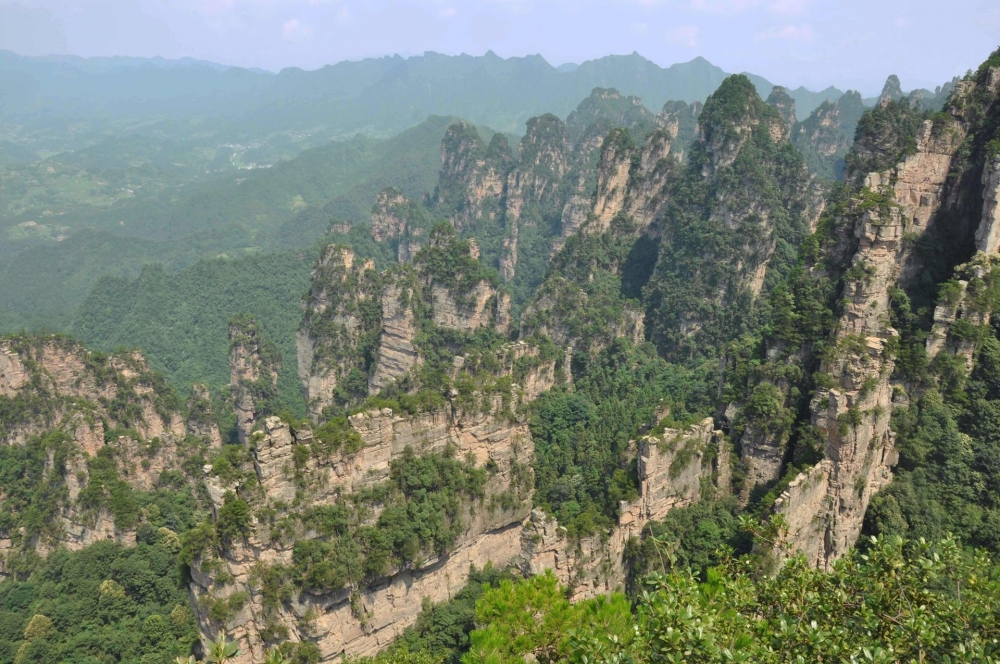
(375, 95)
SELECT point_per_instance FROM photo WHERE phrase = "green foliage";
(886, 134)
(105, 490)
(825, 137)
(104, 603)
(697, 538)
(897, 602)
(534, 618)
(442, 630)
(157, 312)
(348, 292)
(33, 492)
(423, 503)
(699, 298)
(221, 649)
(235, 213)
(948, 475)
(234, 520)
(447, 260)
(581, 436)
(765, 410)
(336, 435)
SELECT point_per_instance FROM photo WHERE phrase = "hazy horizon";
(790, 42)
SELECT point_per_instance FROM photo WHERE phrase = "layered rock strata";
(73, 405)
(825, 505)
(362, 620)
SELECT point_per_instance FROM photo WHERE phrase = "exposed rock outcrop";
(472, 177)
(396, 353)
(680, 121)
(389, 215)
(742, 192)
(364, 619)
(608, 105)
(253, 369)
(672, 468)
(75, 388)
(892, 90)
(825, 505)
(825, 137)
(782, 102)
(342, 306)
(72, 408)
(200, 416)
(988, 233)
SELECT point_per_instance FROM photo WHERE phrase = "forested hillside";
(705, 383)
(287, 207)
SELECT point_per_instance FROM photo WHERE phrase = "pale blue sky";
(847, 43)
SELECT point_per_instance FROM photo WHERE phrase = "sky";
(847, 43)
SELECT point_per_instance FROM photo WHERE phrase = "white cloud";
(639, 28)
(685, 35)
(448, 13)
(788, 7)
(294, 30)
(901, 22)
(795, 33)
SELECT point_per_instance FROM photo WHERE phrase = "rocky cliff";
(341, 320)
(253, 368)
(89, 432)
(742, 193)
(53, 382)
(607, 105)
(473, 176)
(673, 468)
(931, 192)
(825, 137)
(681, 121)
(296, 476)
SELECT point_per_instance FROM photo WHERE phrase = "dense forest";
(716, 383)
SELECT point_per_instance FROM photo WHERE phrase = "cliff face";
(632, 180)
(295, 478)
(389, 215)
(359, 329)
(741, 194)
(84, 423)
(253, 368)
(396, 353)
(328, 509)
(342, 317)
(472, 177)
(84, 391)
(608, 105)
(673, 467)
(681, 121)
(925, 194)
(825, 137)
(781, 101)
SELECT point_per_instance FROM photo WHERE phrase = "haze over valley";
(456, 359)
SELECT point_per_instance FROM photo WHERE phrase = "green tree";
(896, 602)
(222, 650)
